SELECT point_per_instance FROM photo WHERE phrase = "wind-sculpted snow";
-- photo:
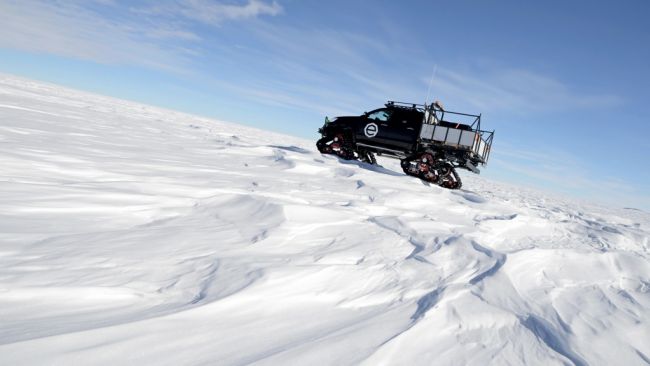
(136, 235)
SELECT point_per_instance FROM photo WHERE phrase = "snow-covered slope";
(132, 234)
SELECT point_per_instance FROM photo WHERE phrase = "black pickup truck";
(430, 142)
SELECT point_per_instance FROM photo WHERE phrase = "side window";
(407, 119)
(381, 115)
(414, 119)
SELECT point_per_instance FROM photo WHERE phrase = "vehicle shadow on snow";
(374, 168)
(291, 148)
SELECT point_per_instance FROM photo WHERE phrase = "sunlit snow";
(136, 235)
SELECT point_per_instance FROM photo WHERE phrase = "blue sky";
(564, 83)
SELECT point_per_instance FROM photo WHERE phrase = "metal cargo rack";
(457, 131)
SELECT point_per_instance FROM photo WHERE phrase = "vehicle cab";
(390, 128)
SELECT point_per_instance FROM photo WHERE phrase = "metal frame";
(484, 136)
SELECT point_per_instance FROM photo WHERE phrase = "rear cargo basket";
(456, 130)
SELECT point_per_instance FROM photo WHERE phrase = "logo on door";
(371, 130)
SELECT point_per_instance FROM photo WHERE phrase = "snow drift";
(133, 234)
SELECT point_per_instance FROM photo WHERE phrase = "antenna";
(433, 75)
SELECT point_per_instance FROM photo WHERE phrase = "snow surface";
(136, 235)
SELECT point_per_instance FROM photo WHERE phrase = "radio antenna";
(433, 75)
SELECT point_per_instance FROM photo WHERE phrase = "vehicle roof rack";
(422, 107)
(392, 103)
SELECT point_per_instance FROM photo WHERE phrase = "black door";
(373, 128)
(403, 128)
(390, 128)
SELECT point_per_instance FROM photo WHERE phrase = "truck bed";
(459, 133)
(461, 137)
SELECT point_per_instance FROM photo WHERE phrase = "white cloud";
(73, 29)
(517, 90)
(211, 12)
(66, 29)
(170, 33)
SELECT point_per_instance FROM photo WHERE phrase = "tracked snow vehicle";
(430, 142)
